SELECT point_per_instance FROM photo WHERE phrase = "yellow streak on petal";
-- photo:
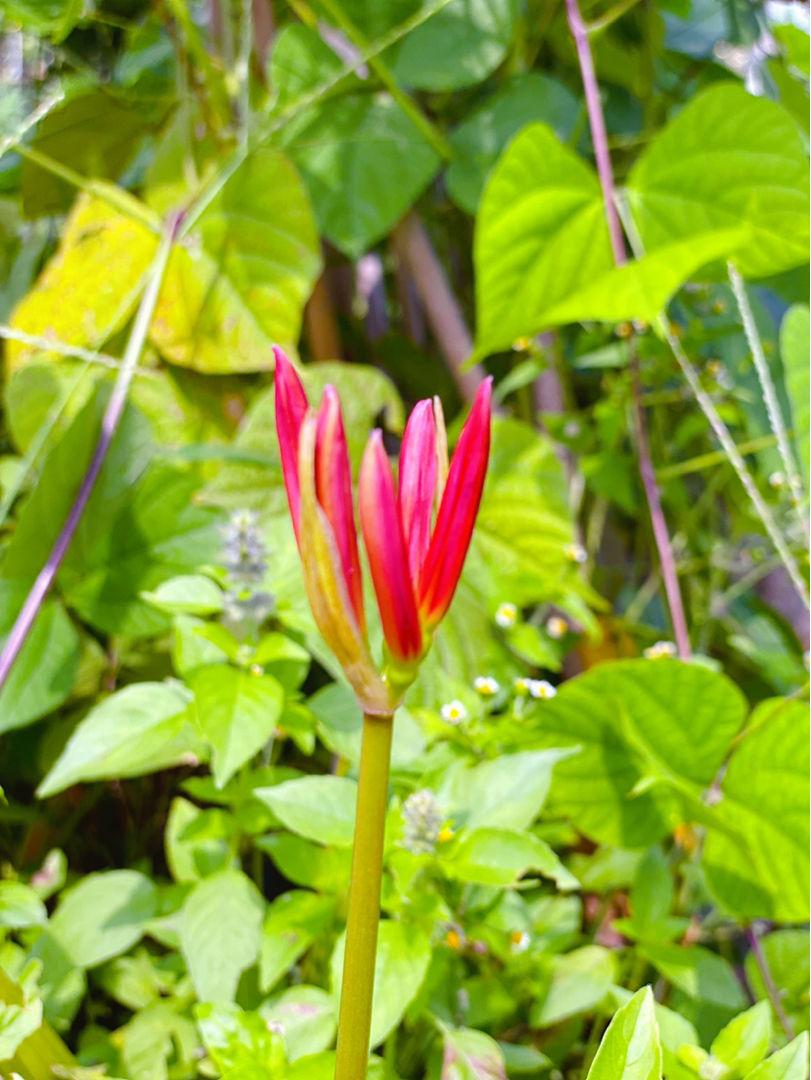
(326, 589)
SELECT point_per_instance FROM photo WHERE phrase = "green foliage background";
(607, 881)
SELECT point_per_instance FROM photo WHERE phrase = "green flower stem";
(357, 986)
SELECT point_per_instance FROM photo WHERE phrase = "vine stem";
(357, 984)
(110, 421)
(599, 139)
(768, 981)
(769, 393)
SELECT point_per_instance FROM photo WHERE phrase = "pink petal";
(291, 407)
(388, 560)
(333, 477)
(418, 475)
(457, 512)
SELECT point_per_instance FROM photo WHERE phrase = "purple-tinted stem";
(768, 981)
(602, 156)
(112, 417)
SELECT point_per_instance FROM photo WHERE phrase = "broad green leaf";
(653, 721)
(88, 289)
(795, 330)
(479, 139)
(543, 255)
(760, 868)
(220, 932)
(293, 921)
(790, 1063)
(197, 842)
(239, 285)
(507, 792)
(403, 955)
(283, 658)
(459, 46)
(241, 1045)
(96, 134)
(45, 669)
(307, 864)
(744, 1042)
(189, 594)
(364, 162)
(132, 545)
(471, 1055)
(140, 729)
(307, 1017)
(727, 158)
(524, 530)
(191, 649)
(320, 808)
(699, 973)
(153, 1036)
(20, 906)
(102, 915)
(787, 954)
(580, 981)
(630, 1048)
(540, 235)
(299, 62)
(236, 713)
(500, 856)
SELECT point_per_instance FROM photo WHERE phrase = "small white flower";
(521, 685)
(486, 685)
(777, 479)
(453, 712)
(541, 689)
(556, 627)
(660, 650)
(572, 429)
(506, 615)
(576, 553)
(519, 940)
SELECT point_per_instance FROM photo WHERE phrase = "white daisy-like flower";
(453, 712)
(521, 685)
(541, 689)
(506, 615)
(777, 479)
(576, 553)
(556, 627)
(660, 650)
(486, 685)
(519, 940)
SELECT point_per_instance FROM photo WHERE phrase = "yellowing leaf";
(89, 288)
(239, 282)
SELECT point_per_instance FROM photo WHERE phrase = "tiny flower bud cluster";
(423, 822)
(244, 553)
(661, 650)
